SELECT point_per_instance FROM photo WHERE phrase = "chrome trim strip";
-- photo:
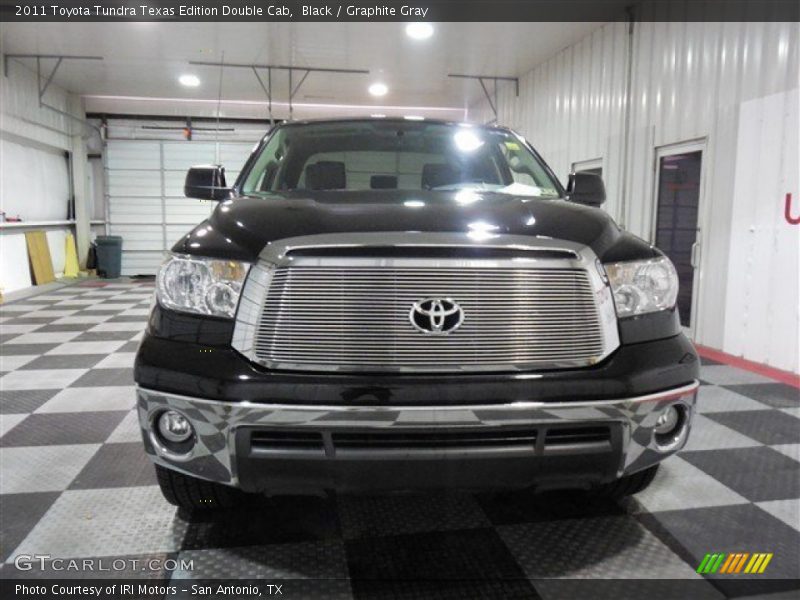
(663, 396)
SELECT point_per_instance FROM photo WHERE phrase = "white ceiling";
(145, 60)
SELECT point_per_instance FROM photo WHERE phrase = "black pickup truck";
(395, 304)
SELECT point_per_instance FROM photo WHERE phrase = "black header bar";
(408, 10)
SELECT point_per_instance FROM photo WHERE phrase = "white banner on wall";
(762, 318)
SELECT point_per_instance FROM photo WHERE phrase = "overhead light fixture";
(414, 118)
(378, 89)
(414, 203)
(189, 80)
(419, 31)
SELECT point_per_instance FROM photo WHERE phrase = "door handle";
(694, 260)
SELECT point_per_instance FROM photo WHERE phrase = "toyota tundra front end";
(382, 305)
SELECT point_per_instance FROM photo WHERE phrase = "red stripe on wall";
(784, 377)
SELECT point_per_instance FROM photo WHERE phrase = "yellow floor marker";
(71, 257)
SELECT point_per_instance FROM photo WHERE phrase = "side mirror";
(206, 182)
(586, 188)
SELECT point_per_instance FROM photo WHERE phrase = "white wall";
(688, 81)
(34, 171)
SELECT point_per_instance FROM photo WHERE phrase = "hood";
(240, 228)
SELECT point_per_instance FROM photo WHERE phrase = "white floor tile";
(127, 431)
(790, 450)
(107, 522)
(12, 363)
(81, 319)
(51, 337)
(118, 360)
(680, 485)
(82, 399)
(707, 434)
(727, 375)
(125, 326)
(41, 379)
(712, 398)
(787, 511)
(88, 347)
(51, 313)
(42, 468)
(7, 328)
(8, 422)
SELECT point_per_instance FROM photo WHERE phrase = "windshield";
(390, 155)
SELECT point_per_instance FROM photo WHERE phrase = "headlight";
(643, 286)
(201, 285)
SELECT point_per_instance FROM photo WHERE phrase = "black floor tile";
(766, 426)
(264, 521)
(116, 465)
(777, 395)
(708, 362)
(26, 349)
(104, 336)
(99, 313)
(129, 319)
(508, 508)
(64, 428)
(20, 513)
(17, 402)
(64, 361)
(97, 377)
(456, 564)
(758, 473)
(58, 327)
(740, 528)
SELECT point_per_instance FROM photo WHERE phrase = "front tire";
(194, 494)
(626, 486)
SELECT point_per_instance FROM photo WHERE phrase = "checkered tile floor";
(75, 482)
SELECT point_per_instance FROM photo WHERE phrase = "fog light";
(174, 427)
(667, 421)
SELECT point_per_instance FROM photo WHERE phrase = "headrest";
(326, 175)
(383, 182)
(436, 175)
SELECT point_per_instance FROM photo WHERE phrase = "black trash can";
(109, 256)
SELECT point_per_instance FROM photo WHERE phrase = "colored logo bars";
(733, 563)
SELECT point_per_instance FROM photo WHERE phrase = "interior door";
(677, 229)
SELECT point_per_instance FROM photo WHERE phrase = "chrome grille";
(354, 318)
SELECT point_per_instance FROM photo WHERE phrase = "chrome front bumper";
(219, 425)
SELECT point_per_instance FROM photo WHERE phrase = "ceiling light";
(378, 116)
(378, 89)
(414, 203)
(419, 31)
(414, 118)
(189, 80)
(467, 141)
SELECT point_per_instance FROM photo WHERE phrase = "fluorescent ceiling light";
(419, 31)
(378, 89)
(414, 203)
(414, 118)
(189, 80)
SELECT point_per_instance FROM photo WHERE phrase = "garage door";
(146, 202)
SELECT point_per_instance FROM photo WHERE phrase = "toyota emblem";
(436, 315)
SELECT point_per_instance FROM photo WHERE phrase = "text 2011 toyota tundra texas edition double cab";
(391, 304)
